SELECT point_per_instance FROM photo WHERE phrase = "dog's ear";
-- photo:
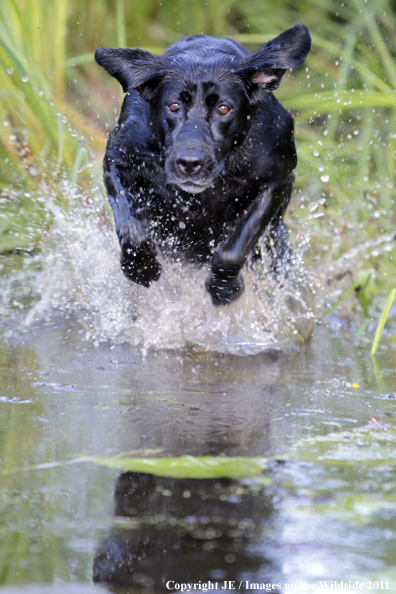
(263, 70)
(133, 68)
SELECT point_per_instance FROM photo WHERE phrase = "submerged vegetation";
(53, 125)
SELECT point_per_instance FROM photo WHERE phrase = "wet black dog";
(201, 160)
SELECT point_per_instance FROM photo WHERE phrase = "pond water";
(149, 439)
(142, 467)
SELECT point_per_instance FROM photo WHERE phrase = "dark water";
(322, 510)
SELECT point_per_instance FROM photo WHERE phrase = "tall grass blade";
(121, 32)
(382, 321)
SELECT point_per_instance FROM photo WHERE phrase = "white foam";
(81, 275)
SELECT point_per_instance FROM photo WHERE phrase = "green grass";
(382, 321)
(342, 99)
(41, 132)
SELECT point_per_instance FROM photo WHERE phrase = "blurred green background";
(57, 106)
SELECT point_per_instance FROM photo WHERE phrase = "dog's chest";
(193, 225)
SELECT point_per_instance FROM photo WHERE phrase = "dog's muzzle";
(191, 166)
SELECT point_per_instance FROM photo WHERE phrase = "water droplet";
(316, 153)
(41, 92)
(182, 225)
(325, 177)
(10, 70)
(50, 101)
(25, 79)
(321, 168)
(64, 119)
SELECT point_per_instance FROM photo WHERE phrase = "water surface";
(315, 513)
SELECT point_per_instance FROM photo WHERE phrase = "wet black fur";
(199, 184)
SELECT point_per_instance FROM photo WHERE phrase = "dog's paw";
(140, 265)
(223, 289)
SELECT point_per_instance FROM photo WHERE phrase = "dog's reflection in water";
(172, 531)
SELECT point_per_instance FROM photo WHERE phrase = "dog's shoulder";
(269, 151)
(272, 121)
(133, 130)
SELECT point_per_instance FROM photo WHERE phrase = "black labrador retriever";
(201, 160)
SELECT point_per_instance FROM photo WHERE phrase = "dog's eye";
(223, 109)
(174, 107)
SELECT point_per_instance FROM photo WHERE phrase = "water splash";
(81, 277)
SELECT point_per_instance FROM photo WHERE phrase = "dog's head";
(203, 93)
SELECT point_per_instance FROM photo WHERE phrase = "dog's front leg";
(138, 261)
(225, 283)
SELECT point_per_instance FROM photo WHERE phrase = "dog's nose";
(190, 162)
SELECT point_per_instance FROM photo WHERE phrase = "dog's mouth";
(191, 187)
